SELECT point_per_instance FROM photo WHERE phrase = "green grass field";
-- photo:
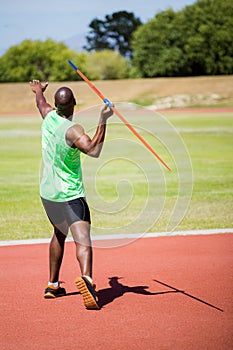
(118, 183)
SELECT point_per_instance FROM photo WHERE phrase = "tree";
(156, 52)
(209, 47)
(194, 41)
(114, 33)
(46, 61)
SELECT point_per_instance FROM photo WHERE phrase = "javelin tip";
(72, 65)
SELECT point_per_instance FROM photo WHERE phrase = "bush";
(45, 61)
(106, 65)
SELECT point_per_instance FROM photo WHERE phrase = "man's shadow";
(117, 290)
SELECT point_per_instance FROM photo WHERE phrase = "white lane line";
(123, 236)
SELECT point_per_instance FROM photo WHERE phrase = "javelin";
(105, 100)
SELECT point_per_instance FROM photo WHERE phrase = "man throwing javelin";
(61, 188)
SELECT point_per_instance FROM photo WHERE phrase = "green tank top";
(61, 178)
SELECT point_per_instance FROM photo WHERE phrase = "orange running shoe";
(88, 293)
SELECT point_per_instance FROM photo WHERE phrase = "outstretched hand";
(37, 86)
(106, 111)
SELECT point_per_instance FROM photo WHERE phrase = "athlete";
(61, 188)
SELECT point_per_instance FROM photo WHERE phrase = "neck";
(65, 115)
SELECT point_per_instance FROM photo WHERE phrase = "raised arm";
(41, 103)
(76, 137)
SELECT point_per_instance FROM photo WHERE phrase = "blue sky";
(67, 20)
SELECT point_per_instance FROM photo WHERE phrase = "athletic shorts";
(70, 211)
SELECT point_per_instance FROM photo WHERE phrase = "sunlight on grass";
(122, 184)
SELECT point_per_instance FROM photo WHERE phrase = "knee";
(83, 241)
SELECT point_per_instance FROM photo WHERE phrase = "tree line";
(194, 41)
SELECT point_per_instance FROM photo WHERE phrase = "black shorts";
(70, 211)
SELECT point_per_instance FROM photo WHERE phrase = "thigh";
(61, 228)
(77, 210)
(54, 211)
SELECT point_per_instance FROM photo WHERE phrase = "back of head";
(65, 102)
(64, 97)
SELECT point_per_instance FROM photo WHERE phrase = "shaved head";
(65, 101)
(63, 96)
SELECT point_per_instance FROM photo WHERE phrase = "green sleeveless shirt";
(61, 178)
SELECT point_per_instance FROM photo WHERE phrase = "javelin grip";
(110, 104)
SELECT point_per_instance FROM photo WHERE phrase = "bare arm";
(41, 103)
(92, 147)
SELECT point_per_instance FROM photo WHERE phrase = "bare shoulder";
(46, 110)
(76, 130)
(74, 133)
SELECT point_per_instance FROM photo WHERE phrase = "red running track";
(156, 293)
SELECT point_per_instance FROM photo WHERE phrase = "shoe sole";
(88, 299)
(49, 296)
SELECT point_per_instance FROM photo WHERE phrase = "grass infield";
(209, 141)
